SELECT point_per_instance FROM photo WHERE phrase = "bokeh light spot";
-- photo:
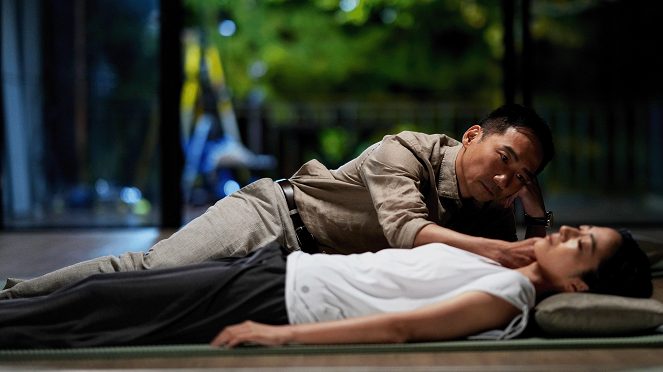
(227, 28)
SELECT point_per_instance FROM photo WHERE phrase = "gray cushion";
(587, 314)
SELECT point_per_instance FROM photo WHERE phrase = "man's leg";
(236, 225)
(48, 283)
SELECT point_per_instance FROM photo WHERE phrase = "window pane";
(599, 87)
(80, 94)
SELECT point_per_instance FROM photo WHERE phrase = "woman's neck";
(542, 284)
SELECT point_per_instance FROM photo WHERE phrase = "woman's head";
(625, 273)
(594, 259)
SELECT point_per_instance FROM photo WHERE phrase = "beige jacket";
(384, 197)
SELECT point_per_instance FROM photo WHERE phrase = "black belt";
(304, 238)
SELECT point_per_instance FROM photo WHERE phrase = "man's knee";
(128, 261)
(12, 282)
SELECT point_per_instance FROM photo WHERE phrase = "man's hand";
(533, 204)
(515, 254)
(532, 198)
(252, 332)
(509, 254)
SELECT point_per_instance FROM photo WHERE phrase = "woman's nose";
(565, 232)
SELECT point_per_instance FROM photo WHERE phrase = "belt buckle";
(306, 240)
(299, 241)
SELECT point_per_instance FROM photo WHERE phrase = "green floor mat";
(181, 351)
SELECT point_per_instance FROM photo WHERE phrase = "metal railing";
(608, 167)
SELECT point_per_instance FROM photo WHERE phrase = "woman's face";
(564, 256)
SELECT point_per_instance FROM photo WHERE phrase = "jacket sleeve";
(393, 175)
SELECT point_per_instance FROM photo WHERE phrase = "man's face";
(496, 166)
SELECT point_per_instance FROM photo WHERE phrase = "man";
(407, 190)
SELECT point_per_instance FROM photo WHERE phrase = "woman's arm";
(463, 315)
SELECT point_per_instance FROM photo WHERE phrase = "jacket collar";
(447, 185)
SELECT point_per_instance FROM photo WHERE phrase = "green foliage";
(378, 50)
(335, 144)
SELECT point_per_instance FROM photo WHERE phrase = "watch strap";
(546, 221)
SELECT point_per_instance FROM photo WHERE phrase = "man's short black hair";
(626, 273)
(514, 115)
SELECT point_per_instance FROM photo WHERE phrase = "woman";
(433, 292)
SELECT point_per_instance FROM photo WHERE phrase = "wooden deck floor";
(29, 254)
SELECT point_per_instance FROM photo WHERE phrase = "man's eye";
(521, 178)
(504, 158)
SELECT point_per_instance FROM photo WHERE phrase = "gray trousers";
(235, 226)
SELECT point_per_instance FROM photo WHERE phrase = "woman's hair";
(514, 115)
(625, 273)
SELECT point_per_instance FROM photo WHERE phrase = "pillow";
(588, 314)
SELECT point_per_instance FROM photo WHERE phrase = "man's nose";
(501, 180)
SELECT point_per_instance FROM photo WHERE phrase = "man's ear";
(472, 134)
(575, 284)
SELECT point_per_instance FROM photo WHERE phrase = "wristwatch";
(546, 221)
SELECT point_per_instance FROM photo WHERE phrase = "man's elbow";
(425, 235)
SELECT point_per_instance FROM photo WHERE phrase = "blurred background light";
(142, 207)
(102, 187)
(348, 5)
(388, 15)
(257, 69)
(130, 195)
(230, 187)
(227, 28)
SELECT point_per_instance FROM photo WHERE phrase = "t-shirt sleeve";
(512, 287)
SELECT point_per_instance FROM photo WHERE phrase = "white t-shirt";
(324, 287)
